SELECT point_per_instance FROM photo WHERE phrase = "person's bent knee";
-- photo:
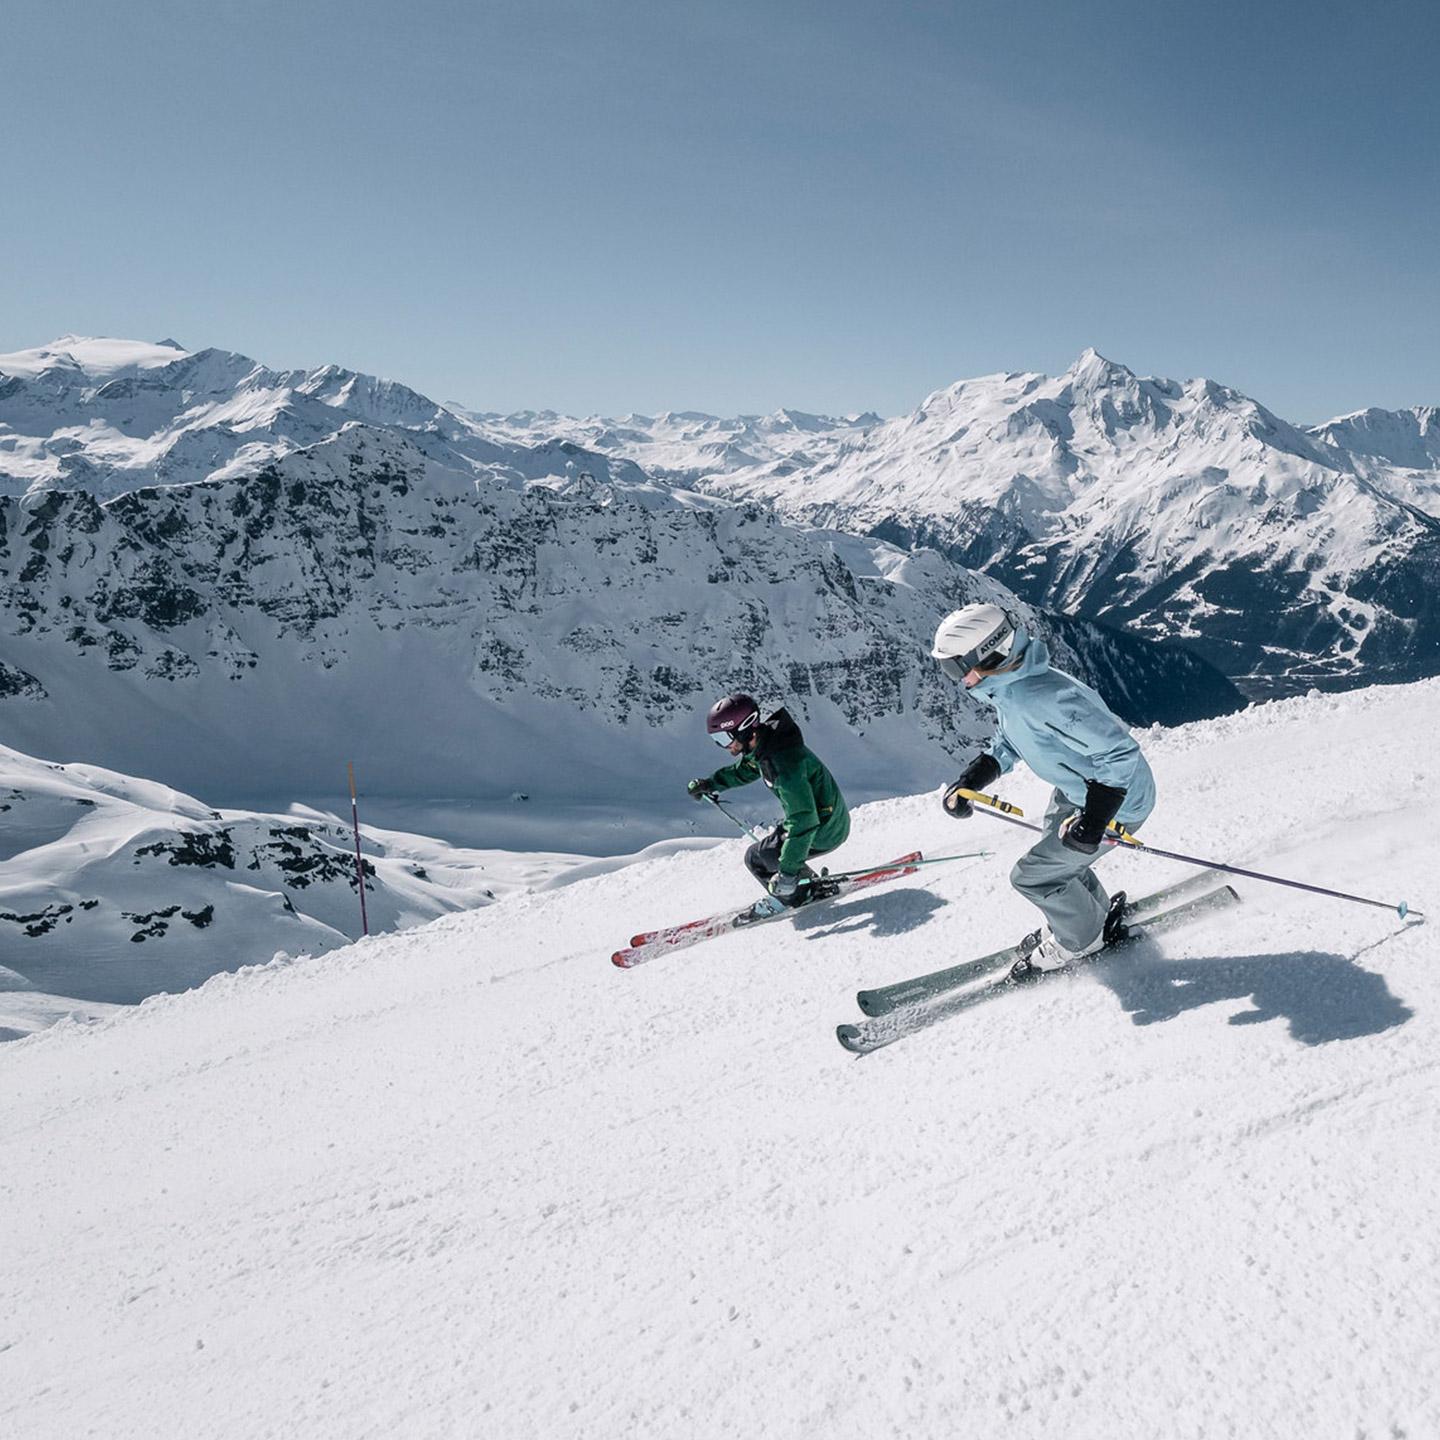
(1020, 877)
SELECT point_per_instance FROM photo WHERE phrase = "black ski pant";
(762, 859)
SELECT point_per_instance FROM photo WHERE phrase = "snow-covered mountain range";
(1287, 556)
(685, 445)
(111, 416)
(474, 1181)
(460, 614)
(1398, 439)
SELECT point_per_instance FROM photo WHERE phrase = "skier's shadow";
(1323, 996)
(891, 912)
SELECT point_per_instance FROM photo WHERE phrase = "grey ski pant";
(1060, 882)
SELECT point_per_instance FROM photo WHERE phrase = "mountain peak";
(96, 356)
(1406, 438)
(1091, 370)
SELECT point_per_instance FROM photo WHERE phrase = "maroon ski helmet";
(734, 716)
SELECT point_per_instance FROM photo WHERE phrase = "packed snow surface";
(473, 1180)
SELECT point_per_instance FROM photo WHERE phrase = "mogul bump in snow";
(773, 750)
(1067, 735)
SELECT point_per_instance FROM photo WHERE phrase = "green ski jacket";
(816, 817)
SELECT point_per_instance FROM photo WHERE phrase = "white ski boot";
(1047, 953)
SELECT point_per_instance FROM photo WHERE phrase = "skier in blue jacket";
(1067, 735)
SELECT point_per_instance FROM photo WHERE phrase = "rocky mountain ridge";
(194, 588)
(464, 635)
(1288, 556)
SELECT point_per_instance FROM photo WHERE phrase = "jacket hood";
(779, 732)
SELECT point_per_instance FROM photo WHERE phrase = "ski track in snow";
(473, 1180)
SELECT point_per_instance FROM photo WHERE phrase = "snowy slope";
(1408, 439)
(90, 358)
(113, 888)
(473, 1180)
(1397, 450)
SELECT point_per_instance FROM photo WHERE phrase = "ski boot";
(1042, 951)
(1115, 931)
(814, 887)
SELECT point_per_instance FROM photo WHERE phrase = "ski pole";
(755, 835)
(946, 859)
(907, 865)
(1118, 835)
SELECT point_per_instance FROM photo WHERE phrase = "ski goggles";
(747, 726)
(957, 667)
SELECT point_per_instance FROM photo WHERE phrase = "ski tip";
(623, 959)
(874, 1003)
(848, 1036)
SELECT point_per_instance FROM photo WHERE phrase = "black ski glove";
(1086, 830)
(983, 770)
(702, 789)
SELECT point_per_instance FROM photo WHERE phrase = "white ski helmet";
(975, 637)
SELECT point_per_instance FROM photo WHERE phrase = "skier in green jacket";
(773, 750)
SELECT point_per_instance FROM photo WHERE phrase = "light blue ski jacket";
(1065, 733)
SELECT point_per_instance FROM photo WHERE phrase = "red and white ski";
(653, 943)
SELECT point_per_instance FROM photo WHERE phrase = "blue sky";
(734, 206)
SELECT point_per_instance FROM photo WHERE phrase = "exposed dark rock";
(18, 684)
(206, 849)
(40, 922)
